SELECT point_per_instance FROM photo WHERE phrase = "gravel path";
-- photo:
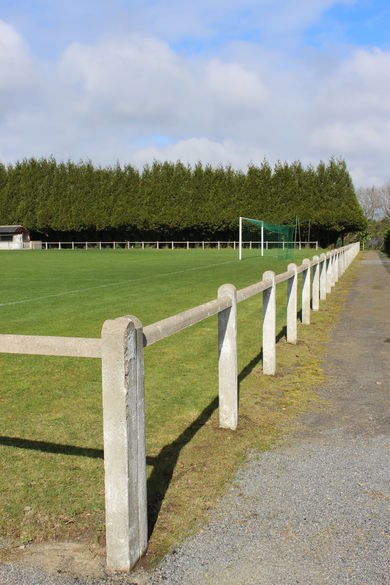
(316, 510)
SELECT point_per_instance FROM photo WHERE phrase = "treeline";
(69, 201)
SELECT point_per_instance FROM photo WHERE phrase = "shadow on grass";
(46, 447)
(258, 358)
(163, 464)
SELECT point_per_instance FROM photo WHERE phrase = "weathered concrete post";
(292, 286)
(322, 277)
(269, 325)
(336, 267)
(341, 264)
(227, 360)
(329, 272)
(124, 442)
(316, 284)
(306, 292)
(333, 271)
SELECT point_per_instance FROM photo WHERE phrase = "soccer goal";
(257, 237)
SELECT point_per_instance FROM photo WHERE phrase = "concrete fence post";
(341, 265)
(306, 292)
(328, 272)
(333, 273)
(316, 284)
(124, 442)
(292, 286)
(336, 267)
(227, 360)
(269, 325)
(322, 277)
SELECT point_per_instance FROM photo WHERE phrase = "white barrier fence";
(159, 245)
(121, 349)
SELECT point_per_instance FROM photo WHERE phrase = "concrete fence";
(159, 245)
(121, 349)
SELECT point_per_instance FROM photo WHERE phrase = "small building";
(14, 237)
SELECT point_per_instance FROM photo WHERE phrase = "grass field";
(51, 453)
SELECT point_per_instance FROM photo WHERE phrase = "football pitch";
(50, 408)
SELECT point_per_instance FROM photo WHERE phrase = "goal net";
(259, 238)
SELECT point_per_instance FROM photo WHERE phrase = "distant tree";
(167, 200)
(386, 199)
(371, 201)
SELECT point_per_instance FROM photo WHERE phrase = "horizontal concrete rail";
(251, 290)
(55, 346)
(174, 324)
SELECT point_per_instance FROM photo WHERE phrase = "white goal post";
(240, 239)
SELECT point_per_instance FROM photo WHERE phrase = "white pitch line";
(111, 284)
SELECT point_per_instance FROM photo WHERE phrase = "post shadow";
(47, 447)
(163, 464)
(246, 370)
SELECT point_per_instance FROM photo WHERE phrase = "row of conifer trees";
(69, 201)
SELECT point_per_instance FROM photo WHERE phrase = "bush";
(387, 242)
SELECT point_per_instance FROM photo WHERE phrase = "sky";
(216, 81)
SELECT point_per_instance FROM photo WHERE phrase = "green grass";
(51, 454)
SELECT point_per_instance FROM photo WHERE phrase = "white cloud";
(145, 86)
(350, 114)
(15, 61)
(193, 150)
(133, 98)
(18, 72)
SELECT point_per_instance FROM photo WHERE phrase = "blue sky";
(222, 81)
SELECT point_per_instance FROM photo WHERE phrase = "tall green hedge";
(65, 200)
